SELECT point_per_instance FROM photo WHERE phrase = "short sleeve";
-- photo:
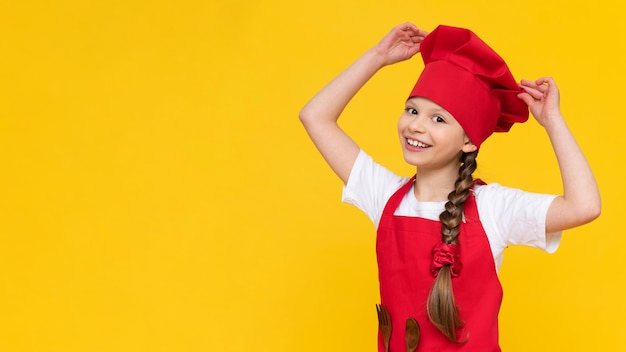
(369, 186)
(516, 217)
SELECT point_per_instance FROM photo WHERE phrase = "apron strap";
(471, 209)
(396, 198)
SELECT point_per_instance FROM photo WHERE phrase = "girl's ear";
(468, 147)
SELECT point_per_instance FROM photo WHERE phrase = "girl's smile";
(417, 145)
(430, 136)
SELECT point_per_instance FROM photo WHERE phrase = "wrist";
(375, 58)
(554, 121)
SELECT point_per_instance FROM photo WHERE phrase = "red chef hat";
(466, 77)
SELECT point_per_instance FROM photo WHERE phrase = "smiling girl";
(441, 233)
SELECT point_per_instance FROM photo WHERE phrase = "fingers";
(408, 26)
(536, 92)
(411, 36)
(537, 89)
(542, 83)
(413, 31)
(546, 81)
(401, 43)
(526, 98)
(540, 88)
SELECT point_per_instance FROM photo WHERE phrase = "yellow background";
(158, 193)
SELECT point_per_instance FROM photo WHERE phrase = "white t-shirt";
(509, 216)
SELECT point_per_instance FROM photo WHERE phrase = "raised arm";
(580, 202)
(319, 116)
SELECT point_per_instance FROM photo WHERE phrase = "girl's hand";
(542, 98)
(400, 44)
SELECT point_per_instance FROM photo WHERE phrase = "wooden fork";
(384, 324)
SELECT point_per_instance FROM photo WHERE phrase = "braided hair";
(441, 307)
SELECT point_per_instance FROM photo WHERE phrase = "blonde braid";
(441, 306)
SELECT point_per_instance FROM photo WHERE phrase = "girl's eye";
(410, 110)
(438, 118)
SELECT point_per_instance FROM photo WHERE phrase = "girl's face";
(430, 137)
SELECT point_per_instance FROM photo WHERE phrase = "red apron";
(403, 249)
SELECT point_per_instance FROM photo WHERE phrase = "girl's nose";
(417, 124)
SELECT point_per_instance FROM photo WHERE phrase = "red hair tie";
(446, 254)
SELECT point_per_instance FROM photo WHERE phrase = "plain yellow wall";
(158, 192)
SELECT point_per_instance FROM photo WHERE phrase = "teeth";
(417, 143)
